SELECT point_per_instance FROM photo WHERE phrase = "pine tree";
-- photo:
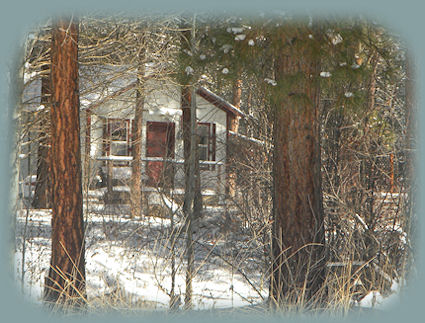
(66, 279)
(298, 264)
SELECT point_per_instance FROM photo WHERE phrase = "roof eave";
(219, 102)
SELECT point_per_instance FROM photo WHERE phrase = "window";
(207, 145)
(117, 138)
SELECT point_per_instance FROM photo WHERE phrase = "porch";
(167, 179)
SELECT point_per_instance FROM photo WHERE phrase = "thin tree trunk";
(232, 125)
(87, 152)
(66, 280)
(186, 102)
(298, 267)
(411, 128)
(392, 189)
(136, 177)
(410, 140)
(192, 205)
(174, 299)
(189, 206)
(186, 99)
(42, 193)
(369, 171)
(198, 202)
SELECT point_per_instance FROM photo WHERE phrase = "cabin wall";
(207, 112)
(163, 104)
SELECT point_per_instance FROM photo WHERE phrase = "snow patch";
(169, 111)
(240, 37)
(29, 76)
(375, 299)
(189, 70)
(226, 48)
(235, 30)
(336, 39)
(188, 52)
(270, 81)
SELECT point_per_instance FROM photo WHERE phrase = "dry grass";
(240, 242)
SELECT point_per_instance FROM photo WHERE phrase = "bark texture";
(66, 280)
(298, 229)
(136, 147)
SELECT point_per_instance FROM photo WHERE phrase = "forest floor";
(129, 261)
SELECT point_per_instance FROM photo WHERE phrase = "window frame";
(210, 146)
(109, 141)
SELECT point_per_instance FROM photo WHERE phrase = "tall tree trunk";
(189, 206)
(411, 128)
(368, 175)
(42, 193)
(66, 280)
(411, 217)
(298, 266)
(186, 99)
(192, 205)
(232, 125)
(87, 155)
(197, 202)
(136, 177)
(186, 103)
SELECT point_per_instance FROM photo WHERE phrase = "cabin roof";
(219, 102)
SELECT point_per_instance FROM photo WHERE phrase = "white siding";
(162, 103)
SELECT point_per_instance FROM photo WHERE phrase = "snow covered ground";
(375, 300)
(128, 262)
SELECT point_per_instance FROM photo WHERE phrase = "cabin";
(108, 131)
(107, 122)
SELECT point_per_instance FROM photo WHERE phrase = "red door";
(160, 142)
